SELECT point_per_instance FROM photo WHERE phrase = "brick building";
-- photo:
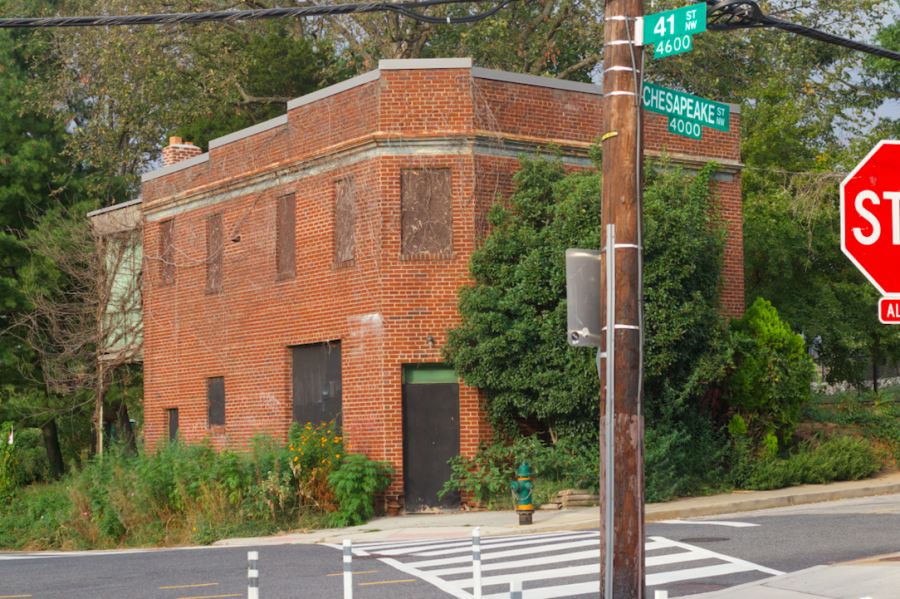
(308, 266)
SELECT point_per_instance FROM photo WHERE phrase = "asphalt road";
(784, 539)
(789, 539)
(286, 572)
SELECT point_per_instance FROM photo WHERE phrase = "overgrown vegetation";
(700, 374)
(511, 341)
(193, 494)
(769, 383)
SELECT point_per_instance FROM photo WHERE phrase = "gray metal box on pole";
(583, 271)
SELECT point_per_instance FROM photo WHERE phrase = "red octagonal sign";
(870, 217)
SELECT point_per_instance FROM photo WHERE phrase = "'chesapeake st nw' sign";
(686, 112)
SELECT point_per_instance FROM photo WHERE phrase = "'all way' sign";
(889, 310)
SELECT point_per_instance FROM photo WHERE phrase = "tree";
(33, 177)
(799, 107)
(511, 340)
(123, 90)
(84, 325)
(793, 258)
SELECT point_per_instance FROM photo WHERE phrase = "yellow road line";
(366, 572)
(213, 596)
(13, 596)
(188, 586)
(386, 582)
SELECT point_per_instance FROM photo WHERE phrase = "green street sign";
(672, 45)
(680, 126)
(675, 23)
(685, 106)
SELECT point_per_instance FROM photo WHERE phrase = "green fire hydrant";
(523, 489)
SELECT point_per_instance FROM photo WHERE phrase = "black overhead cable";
(405, 9)
(725, 15)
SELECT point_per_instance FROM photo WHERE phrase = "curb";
(765, 503)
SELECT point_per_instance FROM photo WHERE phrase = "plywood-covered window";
(215, 394)
(344, 221)
(426, 213)
(167, 251)
(286, 235)
(214, 253)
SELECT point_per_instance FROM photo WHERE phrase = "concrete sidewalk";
(873, 578)
(460, 524)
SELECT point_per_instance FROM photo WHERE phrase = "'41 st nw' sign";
(670, 31)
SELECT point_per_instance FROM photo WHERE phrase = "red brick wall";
(381, 307)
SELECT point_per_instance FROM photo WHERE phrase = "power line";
(407, 9)
(726, 15)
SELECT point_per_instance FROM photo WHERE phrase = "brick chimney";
(179, 150)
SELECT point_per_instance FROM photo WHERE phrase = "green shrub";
(573, 462)
(683, 456)
(837, 459)
(357, 483)
(770, 382)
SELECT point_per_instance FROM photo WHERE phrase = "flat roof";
(386, 65)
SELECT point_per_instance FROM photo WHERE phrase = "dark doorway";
(173, 424)
(316, 377)
(430, 435)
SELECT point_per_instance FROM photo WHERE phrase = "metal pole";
(348, 570)
(476, 561)
(252, 575)
(610, 432)
(622, 163)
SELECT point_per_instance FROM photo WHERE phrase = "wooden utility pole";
(622, 170)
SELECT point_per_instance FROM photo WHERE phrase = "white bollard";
(515, 589)
(348, 570)
(476, 561)
(661, 595)
(252, 575)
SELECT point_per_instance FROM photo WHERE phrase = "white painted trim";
(424, 64)
(334, 89)
(572, 86)
(174, 168)
(113, 207)
(278, 121)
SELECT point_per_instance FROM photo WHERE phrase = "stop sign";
(870, 217)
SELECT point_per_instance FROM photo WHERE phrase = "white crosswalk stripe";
(550, 565)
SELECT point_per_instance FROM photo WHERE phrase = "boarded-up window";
(426, 212)
(286, 232)
(316, 378)
(167, 251)
(173, 424)
(214, 251)
(344, 221)
(215, 393)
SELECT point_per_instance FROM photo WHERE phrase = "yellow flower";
(296, 458)
(337, 456)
